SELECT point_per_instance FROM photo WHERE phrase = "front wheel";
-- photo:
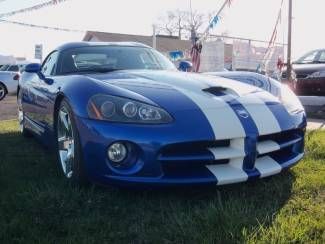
(21, 118)
(68, 145)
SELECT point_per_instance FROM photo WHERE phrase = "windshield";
(110, 58)
(307, 58)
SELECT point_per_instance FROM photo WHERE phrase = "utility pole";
(289, 66)
(154, 37)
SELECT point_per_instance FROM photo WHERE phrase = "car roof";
(91, 44)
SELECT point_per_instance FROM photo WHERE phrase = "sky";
(245, 18)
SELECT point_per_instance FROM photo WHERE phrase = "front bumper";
(168, 155)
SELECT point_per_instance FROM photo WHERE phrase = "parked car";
(310, 73)
(121, 113)
(9, 76)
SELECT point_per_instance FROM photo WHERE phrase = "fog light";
(117, 152)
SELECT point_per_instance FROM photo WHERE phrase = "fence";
(236, 53)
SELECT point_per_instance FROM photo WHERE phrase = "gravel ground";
(8, 108)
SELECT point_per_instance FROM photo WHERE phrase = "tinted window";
(49, 65)
(14, 68)
(4, 67)
(108, 58)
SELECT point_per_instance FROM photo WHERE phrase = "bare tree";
(194, 21)
(167, 24)
(178, 23)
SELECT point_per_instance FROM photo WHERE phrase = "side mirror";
(36, 68)
(185, 66)
(33, 68)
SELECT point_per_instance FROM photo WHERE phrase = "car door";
(42, 98)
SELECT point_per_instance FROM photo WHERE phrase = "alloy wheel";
(21, 120)
(66, 144)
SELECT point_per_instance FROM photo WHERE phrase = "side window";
(14, 68)
(322, 57)
(48, 67)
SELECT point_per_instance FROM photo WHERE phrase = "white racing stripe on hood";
(264, 119)
(224, 122)
(222, 119)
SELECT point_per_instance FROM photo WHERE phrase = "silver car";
(9, 76)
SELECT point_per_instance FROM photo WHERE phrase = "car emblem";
(242, 113)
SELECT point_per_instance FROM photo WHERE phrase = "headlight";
(118, 109)
(290, 100)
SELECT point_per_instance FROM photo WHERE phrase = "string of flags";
(39, 26)
(215, 20)
(271, 45)
(33, 8)
(197, 42)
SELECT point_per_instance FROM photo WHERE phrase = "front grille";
(188, 158)
(288, 142)
(302, 76)
(192, 153)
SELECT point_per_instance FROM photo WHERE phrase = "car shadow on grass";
(31, 181)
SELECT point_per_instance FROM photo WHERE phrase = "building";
(164, 44)
(7, 59)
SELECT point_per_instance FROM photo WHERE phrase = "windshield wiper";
(92, 70)
(99, 70)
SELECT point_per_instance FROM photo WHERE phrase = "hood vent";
(217, 90)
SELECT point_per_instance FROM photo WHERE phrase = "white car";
(9, 76)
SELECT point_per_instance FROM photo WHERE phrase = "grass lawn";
(38, 206)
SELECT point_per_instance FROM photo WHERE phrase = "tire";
(21, 118)
(3, 91)
(68, 148)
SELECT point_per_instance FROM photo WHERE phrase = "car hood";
(308, 68)
(227, 105)
(168, 88)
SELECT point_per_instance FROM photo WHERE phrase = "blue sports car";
(120, 113)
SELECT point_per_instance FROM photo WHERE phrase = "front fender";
(78, 89)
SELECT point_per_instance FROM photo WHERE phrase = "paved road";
(8, 110)
(316, 124)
